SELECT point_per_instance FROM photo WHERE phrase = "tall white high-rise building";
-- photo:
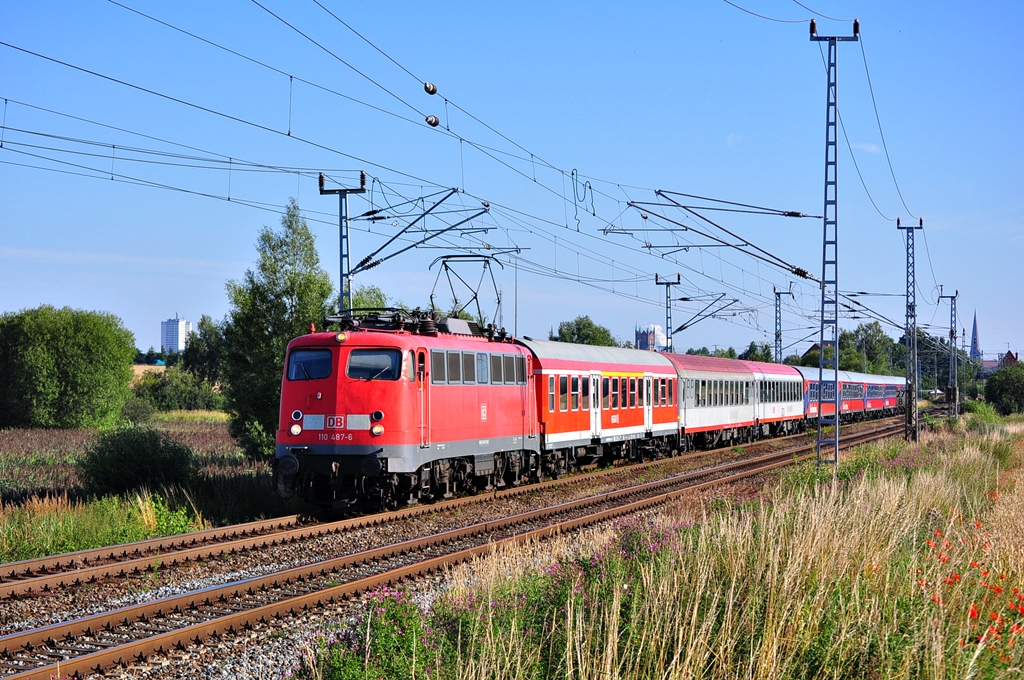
(173, 334)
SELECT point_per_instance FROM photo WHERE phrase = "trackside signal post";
(912, 429)
(345, 298)
(828, 353)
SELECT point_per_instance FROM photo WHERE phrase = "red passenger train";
(399, 407)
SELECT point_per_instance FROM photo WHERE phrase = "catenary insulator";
(430, 88)
(433, 121)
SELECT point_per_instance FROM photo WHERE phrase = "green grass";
(51, 526)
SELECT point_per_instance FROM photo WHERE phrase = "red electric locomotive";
(394, 410)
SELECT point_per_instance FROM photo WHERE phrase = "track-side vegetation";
(909, 563)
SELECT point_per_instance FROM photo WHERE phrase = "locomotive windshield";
(375, 364)
(309, 364)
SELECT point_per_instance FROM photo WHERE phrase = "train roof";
(552, 353)
(811, 373)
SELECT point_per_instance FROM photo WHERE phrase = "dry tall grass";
(884, 579)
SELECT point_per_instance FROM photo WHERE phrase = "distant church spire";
(976, 353)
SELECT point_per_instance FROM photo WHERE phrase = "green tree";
(757, 352)
(63, 368)
(583, 331)
(203, 351)
(368, 297)
(1004, 389)
(273, 303)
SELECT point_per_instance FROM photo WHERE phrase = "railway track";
(44, 575)
(170, 625)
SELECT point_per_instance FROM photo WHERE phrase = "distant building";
(174, 334)
(976, 353)
(650, 337)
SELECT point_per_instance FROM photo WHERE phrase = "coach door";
(423, 397)
(648, 407)
(595, 405)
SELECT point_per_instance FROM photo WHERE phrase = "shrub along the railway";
(134, 457)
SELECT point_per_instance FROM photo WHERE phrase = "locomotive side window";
(575, 393)
(551, 393)
(454, 367)
(496, 369)
(563, 393)
(520, 369)
(510, 369)
(468, 367)
(375, 364)
(482, 365)
(309, 364)
(615, 393)
(437, 367)
(605, 397)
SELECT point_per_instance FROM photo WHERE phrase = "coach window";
(520, 369)
(454, 367)
(586, 392)
(623, 392)
(437, 367)
(615, 393)
(481, 368)
(510, 369)
(551, 393)
(496, 369)
(640, 388)
(575, 393)
(605, 396)
(632, 392)
(664, 392)
(563, 393)
(671, 401)
(469, 367)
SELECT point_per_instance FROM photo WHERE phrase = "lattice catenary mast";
(668, 283)
(828, 344)
(911, 430)
(953, 388)
(345, 298)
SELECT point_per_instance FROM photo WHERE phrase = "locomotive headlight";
(295, 429)
(377, 430)
(341, 337)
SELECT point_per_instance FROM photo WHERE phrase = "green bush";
(136, 410)
(177, 390)
(66, 368)
(1005, 389)
(134, 457)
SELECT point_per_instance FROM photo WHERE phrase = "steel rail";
(195, 633)
(145, 556)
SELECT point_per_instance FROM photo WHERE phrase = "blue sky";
(696, 97)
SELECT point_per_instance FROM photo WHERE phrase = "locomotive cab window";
(375, 364)
(309, 364)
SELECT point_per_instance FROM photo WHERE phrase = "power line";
(881, 134)
(762, 16)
